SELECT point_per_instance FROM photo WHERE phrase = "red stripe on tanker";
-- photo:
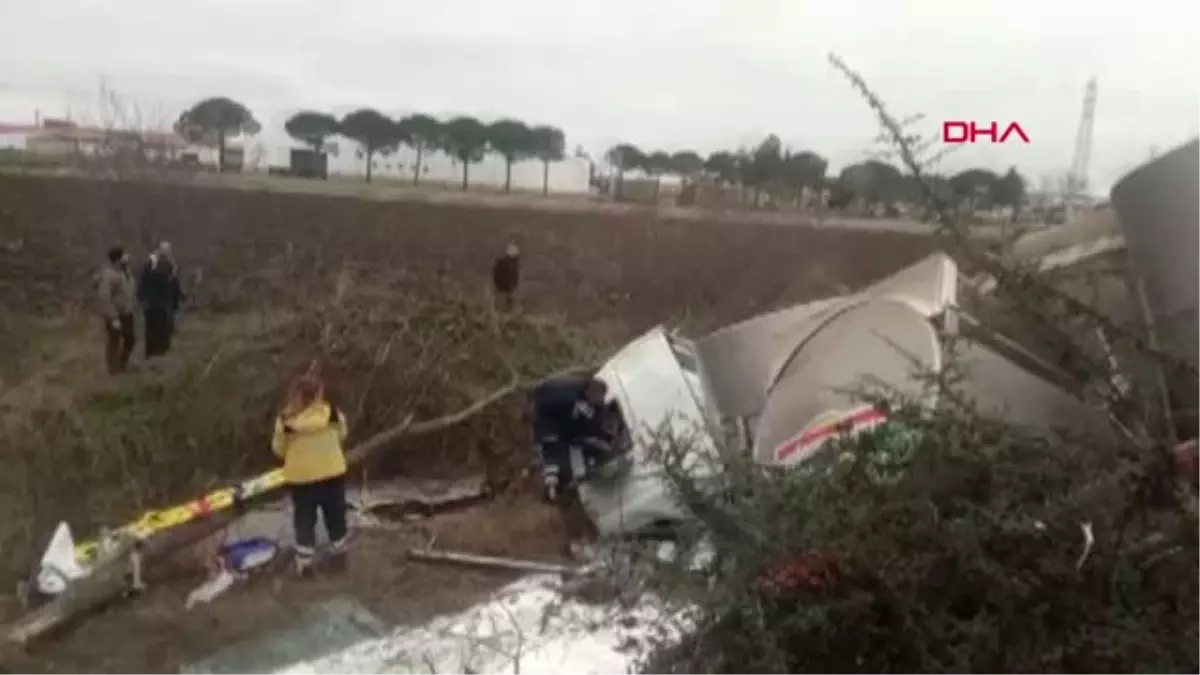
(818, 432)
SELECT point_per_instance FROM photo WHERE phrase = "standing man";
(117, 299)
(160, 297)
(569, 413)
(506, 274)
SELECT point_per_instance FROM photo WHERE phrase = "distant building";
(63, 139)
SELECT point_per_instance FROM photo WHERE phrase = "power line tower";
(1077, 177)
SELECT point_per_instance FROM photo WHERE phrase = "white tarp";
(59, 567)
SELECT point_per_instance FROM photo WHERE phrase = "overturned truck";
(781, 385)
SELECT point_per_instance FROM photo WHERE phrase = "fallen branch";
(108, 579)
(472, 560)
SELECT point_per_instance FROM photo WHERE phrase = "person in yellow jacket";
(308, 437)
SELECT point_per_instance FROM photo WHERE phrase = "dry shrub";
(152, 439)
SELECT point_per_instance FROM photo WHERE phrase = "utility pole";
(1077, 177)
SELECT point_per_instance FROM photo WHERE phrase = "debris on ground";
(209, 590)
(492, 562)
(404, 497)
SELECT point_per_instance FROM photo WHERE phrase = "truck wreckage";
(779, 386)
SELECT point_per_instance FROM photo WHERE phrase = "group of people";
(156, 291)
(310, 432)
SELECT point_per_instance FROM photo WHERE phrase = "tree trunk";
(220, 151)
(546, 178)
(466, 173)
(370, 155)
(417, 168)
(507, 175)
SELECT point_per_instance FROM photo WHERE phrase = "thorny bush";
(948, 540)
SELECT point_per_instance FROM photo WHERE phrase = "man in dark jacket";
(566, 413)
(160, 297)
(506, 274)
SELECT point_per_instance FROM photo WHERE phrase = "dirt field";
(391, 190)
(275, 279)
(240, 248)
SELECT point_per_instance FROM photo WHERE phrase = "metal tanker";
(1158, 207)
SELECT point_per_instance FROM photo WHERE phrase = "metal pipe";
(471, 560)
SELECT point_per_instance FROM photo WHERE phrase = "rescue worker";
(569, 413)
(506, 275)
(160, 296)
(117, 292)
(308, 437)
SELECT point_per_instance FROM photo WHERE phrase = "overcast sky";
(669, 74)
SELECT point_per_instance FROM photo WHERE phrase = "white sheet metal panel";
(929, 286)
(1013, 385)
(1159, 209)
(743, 360)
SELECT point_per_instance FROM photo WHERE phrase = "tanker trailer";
(1158, 208)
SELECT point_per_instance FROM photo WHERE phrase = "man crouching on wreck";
(569, 412)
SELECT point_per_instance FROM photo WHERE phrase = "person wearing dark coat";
(569, 413)
(506, 274)
(160, 295)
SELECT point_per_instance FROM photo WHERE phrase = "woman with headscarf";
(308, 437)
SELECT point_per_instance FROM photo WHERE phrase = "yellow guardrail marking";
(152, 522)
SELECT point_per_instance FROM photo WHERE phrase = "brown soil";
(244, 249)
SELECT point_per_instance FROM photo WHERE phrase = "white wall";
(567, 176)
(14, 141)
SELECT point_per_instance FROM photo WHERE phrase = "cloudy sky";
(669, 74)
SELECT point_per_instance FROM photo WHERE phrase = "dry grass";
(388, 297)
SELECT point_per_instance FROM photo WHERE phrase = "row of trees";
(773, 170)
(213, 121)
(769, 169)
